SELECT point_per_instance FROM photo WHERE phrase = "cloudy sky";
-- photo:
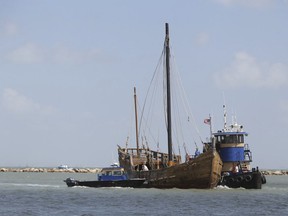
(68, 68)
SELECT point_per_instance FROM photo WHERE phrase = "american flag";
(207, 121)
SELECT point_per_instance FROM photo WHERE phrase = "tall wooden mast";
(169, 121)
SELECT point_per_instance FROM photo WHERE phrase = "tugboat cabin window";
(231, 139)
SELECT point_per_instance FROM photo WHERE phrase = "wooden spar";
(136, 121)
(169, 121)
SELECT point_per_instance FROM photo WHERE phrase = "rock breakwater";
(275, 172)
(52, 170)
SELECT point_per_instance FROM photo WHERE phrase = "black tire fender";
(231, 180)
(239, 178)
(248, 178)
(263, 179)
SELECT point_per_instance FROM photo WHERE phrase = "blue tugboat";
(113, 176)
(236, 156)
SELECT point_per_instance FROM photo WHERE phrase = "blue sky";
(68, 68)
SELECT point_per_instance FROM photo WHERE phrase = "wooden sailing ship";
(165, 170)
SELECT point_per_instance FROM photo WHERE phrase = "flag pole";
(210, 120)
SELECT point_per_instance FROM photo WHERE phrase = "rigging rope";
(152, 92)
(152, 89)
(185, 102)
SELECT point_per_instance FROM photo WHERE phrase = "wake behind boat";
(113, 176)
(166, 170)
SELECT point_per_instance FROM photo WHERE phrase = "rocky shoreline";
(97, 170)
(52, 170)
(275, 172)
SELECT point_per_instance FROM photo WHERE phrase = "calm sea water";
(47, 194)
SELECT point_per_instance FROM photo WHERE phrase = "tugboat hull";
(251, 180)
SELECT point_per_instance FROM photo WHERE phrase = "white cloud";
(31, 53)
(27, 54)
(8, 28)
(277, 75)
(246, 71)
(64, 55)
(202, 38)
(15, 102)
(247, 3)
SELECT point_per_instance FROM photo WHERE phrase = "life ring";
(231, 180)
(263, 179)
(239, 178)
(248, 178)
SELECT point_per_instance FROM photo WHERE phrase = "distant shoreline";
(274, 172)
(97, 170)
(52, 170)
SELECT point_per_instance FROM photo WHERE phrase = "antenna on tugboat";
(225, 113)
(225, 117)
(136, 121)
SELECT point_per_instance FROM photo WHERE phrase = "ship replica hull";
(202, 172)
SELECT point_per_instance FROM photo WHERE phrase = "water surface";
(47, 194)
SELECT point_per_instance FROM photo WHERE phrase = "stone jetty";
(275, 172)
(52, 170)
(97, 170)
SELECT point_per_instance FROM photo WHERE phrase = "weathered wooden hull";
(203, 172)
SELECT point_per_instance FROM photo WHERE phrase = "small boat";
(166, 170)
(236, 157)
(113, 176)
(63, 167)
